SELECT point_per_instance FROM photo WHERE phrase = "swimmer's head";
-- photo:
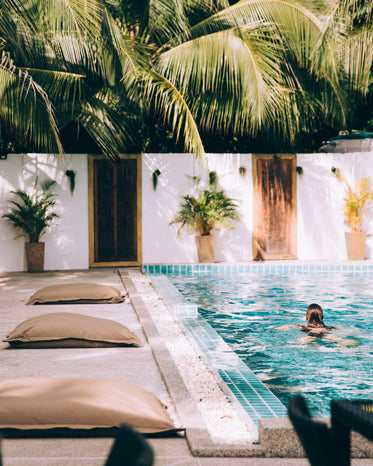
(314, 316)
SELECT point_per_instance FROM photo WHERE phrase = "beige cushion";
(78, 403)
(77, 293)
(65, 329)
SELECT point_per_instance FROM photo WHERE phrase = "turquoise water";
(245, 310)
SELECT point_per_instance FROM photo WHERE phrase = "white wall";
(66, 242)
(320, 221)
(161, 243)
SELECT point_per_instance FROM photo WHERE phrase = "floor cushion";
(67, 330)
(77, 293)
(79, 403)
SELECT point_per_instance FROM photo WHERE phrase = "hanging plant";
(213, 178)
(242, 171)
(71, 177)
(155, 176)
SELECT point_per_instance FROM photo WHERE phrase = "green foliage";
(356, 200)
(32, 213)
(209, 209)
(110, 66)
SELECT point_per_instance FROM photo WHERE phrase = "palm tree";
(347, 46)
(108, 65)
(243, 68)
(52, 72)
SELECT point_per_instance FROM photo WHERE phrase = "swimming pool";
(246, 308)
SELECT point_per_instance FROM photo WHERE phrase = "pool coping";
(276, 436)
(196, 433)
(241, 386)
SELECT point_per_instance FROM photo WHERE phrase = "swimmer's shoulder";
(317, 330)
(287, 326)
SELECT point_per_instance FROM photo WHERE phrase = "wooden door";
(274, 232)
(115, 216)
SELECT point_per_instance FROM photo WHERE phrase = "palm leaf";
(25, 109)
(110, 128)
(167, 100)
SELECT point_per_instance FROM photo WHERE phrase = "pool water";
(245, 310)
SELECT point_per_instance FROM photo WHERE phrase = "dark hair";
(314, 316)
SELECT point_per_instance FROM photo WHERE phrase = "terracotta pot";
(35, 256)
(355, 245)
(205, 248)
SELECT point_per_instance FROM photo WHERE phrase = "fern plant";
(31, 214)
(207, 210)
(356, 202)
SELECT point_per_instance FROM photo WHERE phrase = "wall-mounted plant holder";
(336, 171)
(155, 176)
(300, 171)
(242, 171)
(213, 178)
(71, 177)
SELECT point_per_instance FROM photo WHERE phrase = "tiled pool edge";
(240, 384)
(197, 436)
(365, 266)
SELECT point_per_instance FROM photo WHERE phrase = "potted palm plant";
(31, 214)
(356, 202)
(209, 209)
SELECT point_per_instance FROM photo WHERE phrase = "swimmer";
(316, 328)
(315, 321)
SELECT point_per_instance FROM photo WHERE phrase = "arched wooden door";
(115, 211)
(274, 232)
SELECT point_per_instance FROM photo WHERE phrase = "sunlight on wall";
(320, 221)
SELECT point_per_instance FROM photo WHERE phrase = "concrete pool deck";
(150, 366)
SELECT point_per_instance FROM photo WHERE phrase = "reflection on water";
(245, 310)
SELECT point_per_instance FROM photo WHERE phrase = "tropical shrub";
(356, 200)
(210, 208)
(31, 214)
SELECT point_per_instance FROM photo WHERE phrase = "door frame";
(293, 252)
(92, 262)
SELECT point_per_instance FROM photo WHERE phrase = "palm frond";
(82, 15)
(25, 109)
(110, 128)
(357, 53)
(167, 100)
